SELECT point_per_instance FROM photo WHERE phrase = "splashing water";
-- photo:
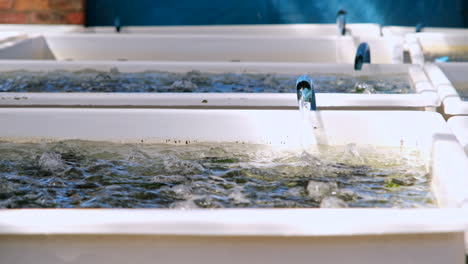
(209, 175)
(364, 88)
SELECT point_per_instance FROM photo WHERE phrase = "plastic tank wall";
(449, 13)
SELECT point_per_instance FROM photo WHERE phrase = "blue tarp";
(449, 13)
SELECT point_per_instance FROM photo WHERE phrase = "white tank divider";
(10, 36)
(459, 126)
(143, 47)
(159, 47)
(445, 77)
(414, 49)
(425, 96)
(273, 235)
(384, 50)
(26, 48)
(40, 29)
(290, 30)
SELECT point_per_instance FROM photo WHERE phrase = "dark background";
(448, 13)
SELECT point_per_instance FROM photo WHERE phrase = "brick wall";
(42, 11)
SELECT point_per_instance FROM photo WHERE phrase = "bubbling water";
(209, 175)
(191, 82)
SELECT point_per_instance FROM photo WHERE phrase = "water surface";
(194, 82)
(98, 174)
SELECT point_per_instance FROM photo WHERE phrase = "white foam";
(51, 161)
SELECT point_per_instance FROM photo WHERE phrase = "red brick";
(46, 18)
(75, 18)
(31, 5)
(6, 4)
(13, 18)
(66, 5)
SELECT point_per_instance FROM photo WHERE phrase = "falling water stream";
(304, 111)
